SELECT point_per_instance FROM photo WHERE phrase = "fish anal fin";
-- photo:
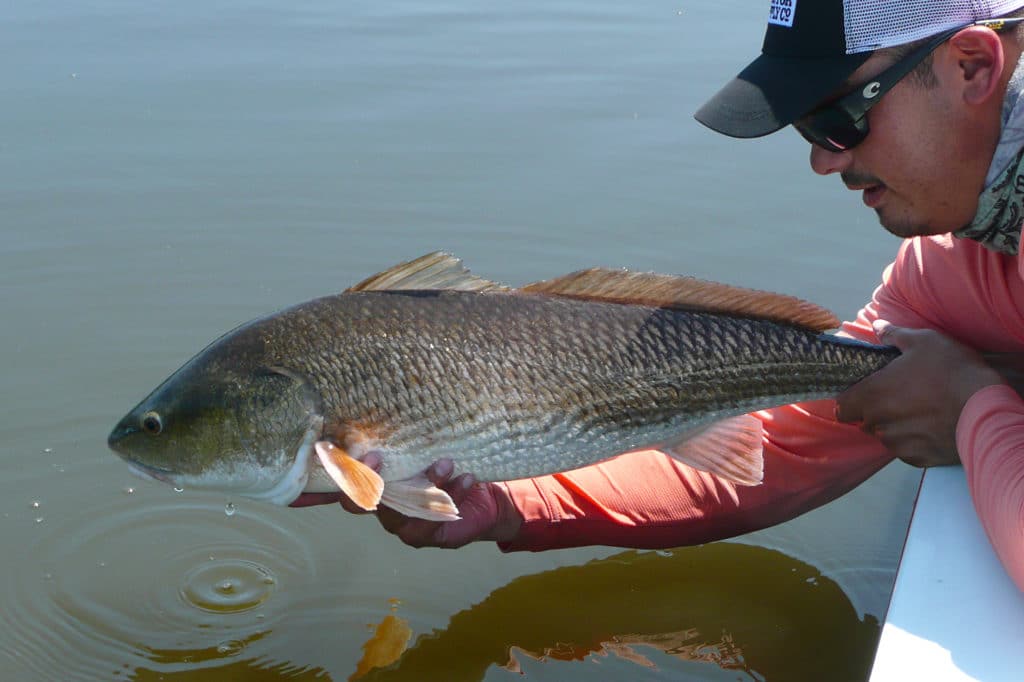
(731, 449)
(436, 270)
(688, 293)
(362, 484)
(419, 498)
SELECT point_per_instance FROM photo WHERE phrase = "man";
(914, 104)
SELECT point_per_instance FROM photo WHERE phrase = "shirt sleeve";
(990, 438)
(648, 500)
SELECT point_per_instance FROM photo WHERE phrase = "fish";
(427, 360)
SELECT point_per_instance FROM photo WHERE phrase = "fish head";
(224, 426)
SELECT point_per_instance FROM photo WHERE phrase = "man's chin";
(901, 220)
(905, 229)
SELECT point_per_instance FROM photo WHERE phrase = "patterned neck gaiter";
(997, 223)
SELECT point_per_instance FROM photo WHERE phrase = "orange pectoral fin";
(362, 484)
(389, 642)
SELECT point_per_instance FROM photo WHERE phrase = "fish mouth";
(150, 473)
(146, 471)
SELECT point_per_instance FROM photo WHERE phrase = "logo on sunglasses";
(781, 12)
(870, 90)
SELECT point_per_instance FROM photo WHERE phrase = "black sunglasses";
(843, 123)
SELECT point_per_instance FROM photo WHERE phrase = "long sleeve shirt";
(648, 500)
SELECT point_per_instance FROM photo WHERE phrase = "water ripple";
(146, 582)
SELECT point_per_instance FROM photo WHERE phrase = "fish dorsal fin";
(688, 293)
(437, 270)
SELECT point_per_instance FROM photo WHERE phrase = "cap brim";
(772, 92)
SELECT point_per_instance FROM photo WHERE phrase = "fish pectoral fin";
(731, 448)
(419, 498)
(362, 484)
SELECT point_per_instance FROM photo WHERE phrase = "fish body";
(507, 383)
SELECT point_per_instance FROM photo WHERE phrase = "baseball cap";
(812, 46)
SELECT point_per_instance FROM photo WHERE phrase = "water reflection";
(229, 602)
(749, 610)
(389, 641)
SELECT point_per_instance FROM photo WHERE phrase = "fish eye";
(152, 424)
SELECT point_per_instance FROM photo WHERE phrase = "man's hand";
(914, 403)
(486, 509)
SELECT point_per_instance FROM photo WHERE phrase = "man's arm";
(943, 403)
(942, 400)
(648, 500)
(990, 437)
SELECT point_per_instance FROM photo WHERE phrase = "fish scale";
(639, 373)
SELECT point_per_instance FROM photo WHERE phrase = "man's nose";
(824, 162)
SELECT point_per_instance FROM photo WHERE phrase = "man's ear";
(978, 57)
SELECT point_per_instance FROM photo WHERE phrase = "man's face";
(923, 164)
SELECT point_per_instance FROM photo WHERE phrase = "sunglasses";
(843, 123)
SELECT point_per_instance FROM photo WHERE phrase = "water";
(170, 170)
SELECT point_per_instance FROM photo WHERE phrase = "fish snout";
(121, 433)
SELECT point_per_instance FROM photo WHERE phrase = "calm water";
(168, 170)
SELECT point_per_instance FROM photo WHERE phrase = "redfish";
(427, 360)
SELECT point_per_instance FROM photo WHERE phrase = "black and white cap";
(812, 46)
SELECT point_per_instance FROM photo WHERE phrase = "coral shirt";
(647, 500)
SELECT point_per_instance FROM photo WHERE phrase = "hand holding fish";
(913, 404)
(486, 509)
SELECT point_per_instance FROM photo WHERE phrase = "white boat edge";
(954, 613)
